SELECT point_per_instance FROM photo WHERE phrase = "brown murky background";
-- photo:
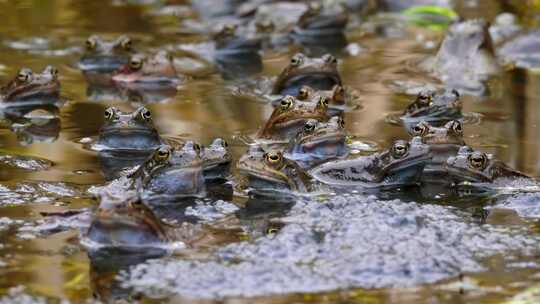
(55, 266)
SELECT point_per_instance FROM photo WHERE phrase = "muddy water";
(40, 33)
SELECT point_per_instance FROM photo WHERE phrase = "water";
(54, 266)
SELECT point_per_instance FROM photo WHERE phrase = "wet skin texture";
(171, 173)
(434, 107)
(128, 131)
(401, 165)
(103, 56)
(216, 159)
(147, 71)
(318, 73)
(30, 86)
(290, 116)
(318, 142)
(478, 167)
(271, 171)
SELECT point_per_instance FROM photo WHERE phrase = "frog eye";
(224, 143)
(456, 127)
(273, 158)
(329, 58)
(286, 103)
(400, 149)
(309, 126)
(24, 75)
(477, 160)
(109, 113)
(297, 59)
(145, 114)
(135, 63)
(91, 43)
(126, 43)
(303, 93)
(420, 129)
(323, 102)
(162, 154)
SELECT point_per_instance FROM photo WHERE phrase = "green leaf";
(433, 17)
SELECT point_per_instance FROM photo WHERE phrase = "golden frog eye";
(303, 93)
(110, 113)
(162, 154)
(126, 43)
(135, 63)
(323, 102)
(420, 129)
(456, 127)
(477, 160)
(329, 59)
(400, 149)
(310, 126)
(91, 43)
(273, 158)
(145, 114)
(297, 59)
(24, 75)
(286, 103)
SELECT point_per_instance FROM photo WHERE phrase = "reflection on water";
(40, 33)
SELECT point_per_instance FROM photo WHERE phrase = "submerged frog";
(470, 166)
(269, 171)
(32, 87)
(318, 73)
(443, 143)
(336, 97)
(103, 56)
(144, 71)
(401, 165)
(434, 107)
(216, 159)
(171, 173)
(465, 58)
(318, 142)
(290, 116)
(128, 131)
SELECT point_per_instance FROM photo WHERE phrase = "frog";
(271, 171)
(434, 107)
(171, 174)
(400, 165)
(148, 72)
(470, 167)
(216, 159)
(443, 142)
(319, 73)
(105, 56)
(337, 98)
(32, 88)
(465, 60)
(128, 131)
(290, 116)
(318, 142)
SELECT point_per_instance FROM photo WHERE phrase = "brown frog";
(102, 56)
(28, 86)
(290, 116)
(148, 71)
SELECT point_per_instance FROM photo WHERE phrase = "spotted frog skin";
(148, 71)
(171, 174)
(128, 131)
(104, 56)
(290, 116)
(400, 165)
(318, 142)
(318, 73)
(28, 86)
(272, 171)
